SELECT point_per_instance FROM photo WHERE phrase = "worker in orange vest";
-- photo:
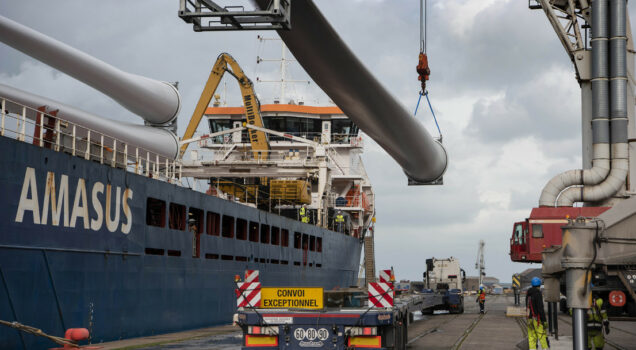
(481, 299)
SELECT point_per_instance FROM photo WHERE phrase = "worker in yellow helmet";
(597, 325)
(304, 214)
(339, 221)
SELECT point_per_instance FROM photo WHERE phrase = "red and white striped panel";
(380, 295)
(248, 294)
(385, 277)
(251, 276)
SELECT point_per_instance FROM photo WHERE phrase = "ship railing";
(341, 139)
(357, 201)
(229, 153)
(44, 129)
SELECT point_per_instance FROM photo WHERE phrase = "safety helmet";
(599, 303)
(536, 281)
(481, 287)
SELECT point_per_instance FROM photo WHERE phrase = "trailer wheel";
(614, 311)
(398, 337)
(428, 311)
(405, 334)
(631, 308)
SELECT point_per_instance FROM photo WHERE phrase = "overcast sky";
(502, 87)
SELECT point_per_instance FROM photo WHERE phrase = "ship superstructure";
(314, 160)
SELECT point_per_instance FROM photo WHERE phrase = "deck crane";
(480, 264)
(258, 138)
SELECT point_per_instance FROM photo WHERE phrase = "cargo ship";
(103, 232)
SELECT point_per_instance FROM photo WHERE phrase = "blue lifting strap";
(429, 106)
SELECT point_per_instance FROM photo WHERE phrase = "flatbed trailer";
(334, 328)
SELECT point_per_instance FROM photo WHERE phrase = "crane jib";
(251, 117)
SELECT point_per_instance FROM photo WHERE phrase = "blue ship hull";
(81, 253)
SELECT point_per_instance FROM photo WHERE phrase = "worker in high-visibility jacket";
(339, 221)
(597, 325)
(537, 322)
(481, 299)
(304, 214)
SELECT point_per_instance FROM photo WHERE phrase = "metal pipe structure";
(600, 115)
(579, 329)
(550, 320)
(554, 320)
(617, 113)
(609, 100)
(158, 103)
(334, 67)
(159, 141)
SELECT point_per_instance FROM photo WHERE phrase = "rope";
(430, 107)
(35, 331)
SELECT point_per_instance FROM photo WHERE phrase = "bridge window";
(213, 224)
(177, 216)
(537, 231)
(241, 229)
(253, 231)
(155, 212)
(227, 229)
(342, 129)
(312, 243)
(275, 236)
(319, 244)
(220, 125)
(293, 125)
(265, 234)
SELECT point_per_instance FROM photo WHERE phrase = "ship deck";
(470, 330)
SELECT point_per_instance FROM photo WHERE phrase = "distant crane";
(479, 264)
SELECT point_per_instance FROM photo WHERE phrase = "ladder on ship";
(369, 258)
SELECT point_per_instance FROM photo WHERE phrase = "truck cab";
(445, 277)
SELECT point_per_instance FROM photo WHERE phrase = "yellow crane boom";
(224, 62)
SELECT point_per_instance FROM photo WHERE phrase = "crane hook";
(423, 70)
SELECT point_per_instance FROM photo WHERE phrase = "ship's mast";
(284, 62)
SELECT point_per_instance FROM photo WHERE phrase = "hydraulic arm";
(258, 138)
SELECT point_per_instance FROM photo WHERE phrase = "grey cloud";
(545, 109)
